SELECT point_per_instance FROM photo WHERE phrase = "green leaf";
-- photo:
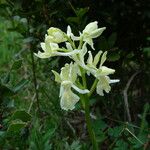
(121, 145)
(6, 78)
(116, 131)
(20, 85)
(75, 145)
(16, 65)
(73, 19)
(113, 56)
(28, 40)
(5, 91)
(98, 126)
(16, 126)
(21, 115)
(81, 12)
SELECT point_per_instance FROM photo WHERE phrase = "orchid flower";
(56, 35)
(51, 49)
(67, 80)
(91, 31)
(100, 73)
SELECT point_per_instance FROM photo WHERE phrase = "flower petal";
(97, 58)
(68, 53)
(70, 34)
(68, 46)
(56, 34)
(91, 27)
(97, 32)
(68, 100)
(80, 90)
(104, 71)
(103, 59)
(103, 85)
(57, 76)
(42, 55)
(90, 58)
(114, 81)
(43, 46)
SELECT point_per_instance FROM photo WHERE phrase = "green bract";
(69, 75)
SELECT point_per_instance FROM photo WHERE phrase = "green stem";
(89, 125)
(85, 99)
(70, 41)
(93, 87)
(80, 43)
(83, 77)
(87, 113)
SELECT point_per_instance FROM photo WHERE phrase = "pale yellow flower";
(67, 79)
(92, 31)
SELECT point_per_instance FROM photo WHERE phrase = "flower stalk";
(71, 90)
(89, 124)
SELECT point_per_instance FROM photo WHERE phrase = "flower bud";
(57, 36)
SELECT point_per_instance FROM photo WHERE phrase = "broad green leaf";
(16, 126)
(21, 115)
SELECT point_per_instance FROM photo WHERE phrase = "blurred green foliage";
(30, 115)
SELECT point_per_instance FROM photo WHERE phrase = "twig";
(125, 95)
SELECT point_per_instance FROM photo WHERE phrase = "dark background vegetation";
(30, 115)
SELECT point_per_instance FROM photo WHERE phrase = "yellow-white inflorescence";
(68, 77)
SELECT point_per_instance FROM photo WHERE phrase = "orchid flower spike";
(69, 73)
